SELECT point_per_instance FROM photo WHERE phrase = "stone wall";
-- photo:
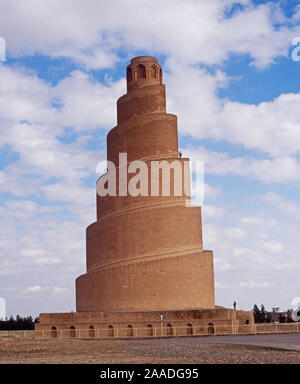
(142, 324)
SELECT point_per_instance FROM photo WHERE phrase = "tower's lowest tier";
(177, 283)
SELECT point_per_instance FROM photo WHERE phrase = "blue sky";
(232, 82)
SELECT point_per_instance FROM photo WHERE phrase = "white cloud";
(59, 290)
(288, 266)
(210, 211)
(47, 260)
(278, 170)
(271, 128)
(274, 125)
(192, 31)
(255, 255)
(87, 104)
(291, 208)
(211, 191)
(33, 252)
(36, 288)
(254, 284)
(220, 285)
(259, 221)
(273, 246)
(222, 264)
(235, 232)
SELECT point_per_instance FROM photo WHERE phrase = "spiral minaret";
(145, 253)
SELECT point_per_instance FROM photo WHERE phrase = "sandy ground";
(170, 351)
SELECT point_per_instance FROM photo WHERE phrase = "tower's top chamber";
(143, 70)
(145, 91)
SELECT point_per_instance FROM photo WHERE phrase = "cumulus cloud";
(276, 170)
(220, 285)
(288, 266)
(44, 221)
(211, 191)
(194, 31)
(37, 289)
(254, 284)
(212, 211)
(271, 129)
(221, 264)
(273, 246)
(31, 127)
(292, 208)
(259, 221)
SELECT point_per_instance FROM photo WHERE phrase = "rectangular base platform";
(144, 324)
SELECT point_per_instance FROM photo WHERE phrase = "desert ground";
(274, 349)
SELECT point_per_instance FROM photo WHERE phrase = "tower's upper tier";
(143, 70)
(145, 91)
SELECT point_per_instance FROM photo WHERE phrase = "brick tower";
(145, 253)
(147, 271)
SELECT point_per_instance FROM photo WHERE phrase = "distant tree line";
(19, 323)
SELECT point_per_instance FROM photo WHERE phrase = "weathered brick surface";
(139, 235)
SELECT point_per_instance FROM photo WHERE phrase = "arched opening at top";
(189, 329)
(141, 71)
(149, 330)
(210, 329)
(169, 330)
(154, 71)
(110, 331)
(53, 332)
(129, 74)
(129, 331)
(160, 75)
(91, 331)
(72, 331)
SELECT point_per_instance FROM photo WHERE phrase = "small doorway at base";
(53, 332)
(110, 330)
(169, 330)
(149, 330)
(189, 329)
(129, 331)
(72, 332)
(91, 331)
(210, 329)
